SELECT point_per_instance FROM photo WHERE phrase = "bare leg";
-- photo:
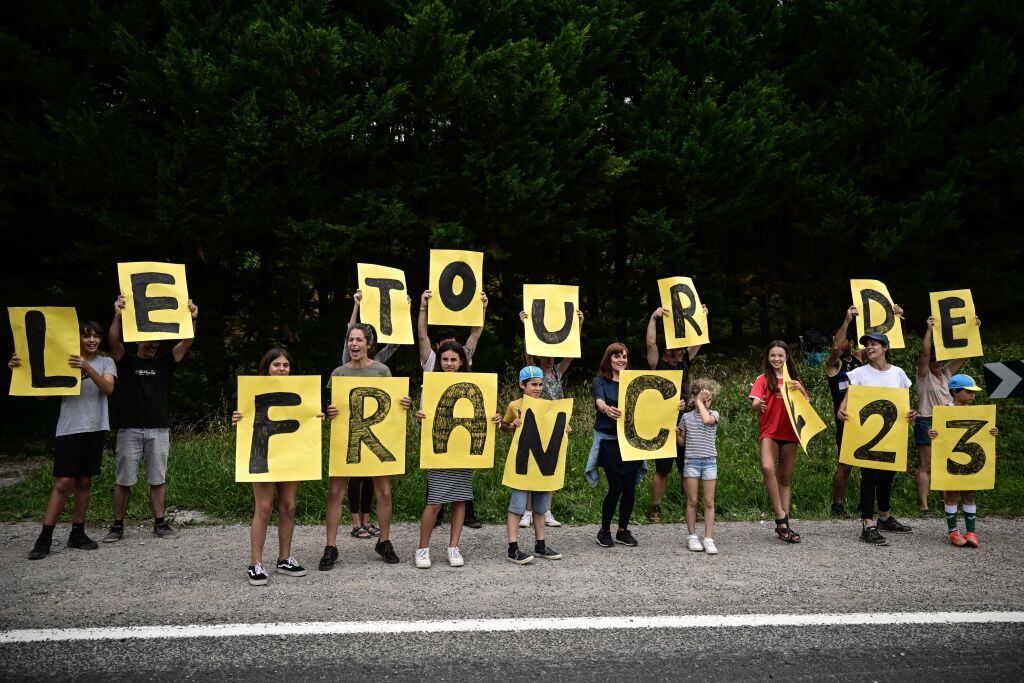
(839, 482)
(62, 488)
(263, 507)
(122, 494)
(286, 491)
(513, 527)
(83, 488)
(690, 484)
(771, 482)
(382, 489)
(157, 498)
(924, 477)
(427, 521)
(458, 520)
(658, 487)
(787, 461)
(709, 507)
(335, 496)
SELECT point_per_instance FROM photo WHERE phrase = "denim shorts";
(921, 427)
(701, 468)
(517, 503)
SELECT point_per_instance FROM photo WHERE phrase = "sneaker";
(694, 544)
(290, 567)
(956, 539)
(839, 510)
(870, 535)
(257, 575)
(455, 558)
(519, 557)
(329, 558)
(709, 546)
(527, 520)
(548, 553)
(890, 523)
(549, 519)
(40, 550)
(625, 538)
(82, 542)
(654, 516)
(604, 538)
(423, 558)
(972, 539)
(473, 523)
(387, 552)
(164, 530)
(115, 534)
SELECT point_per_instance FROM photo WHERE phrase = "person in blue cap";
(963, 390)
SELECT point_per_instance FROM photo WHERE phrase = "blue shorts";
(701, 468)
(517, 504)
(921, 427)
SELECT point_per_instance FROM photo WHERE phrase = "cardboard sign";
(457, 431)
(456, 281)
(877, 314)
(964, 452)
(278, 437)
(536, 457)
(552, 326)
(806, 422)
(875, 435)
(368, 436)
(955, 333)
(155, 301)
(649, 400)
(686, 325)
(44, 338)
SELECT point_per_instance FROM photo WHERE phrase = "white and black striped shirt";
(700, 438)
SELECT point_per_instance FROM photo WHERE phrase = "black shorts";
(79, 455)
(664, 465)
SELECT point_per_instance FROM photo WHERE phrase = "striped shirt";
(700, 438)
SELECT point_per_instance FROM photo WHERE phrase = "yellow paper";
(391, 317)
(279, 416)
(368, 437)
(875, 435)
(44, 338)
(456, 282)
(964, 452)
(458, 431)
(649, 400)
(955, 333)
(552, 326)
(806, 422)
(686, 324)
(156, 301)
(875, 306)
(536, 457)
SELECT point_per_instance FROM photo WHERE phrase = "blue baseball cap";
(874, 336)
(530, 372)
(962, 382)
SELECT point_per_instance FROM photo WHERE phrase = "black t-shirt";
(143, 394)
(684, 365)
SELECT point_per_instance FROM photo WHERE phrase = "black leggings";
(620, 485)
(360, 495)
(874, 483)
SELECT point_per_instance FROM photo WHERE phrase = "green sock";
(971, 517)
(951, 517)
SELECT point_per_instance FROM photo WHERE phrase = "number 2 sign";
(876, 431)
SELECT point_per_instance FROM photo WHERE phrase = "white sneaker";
(526, 520)
(455, 557)
(693, 543)
(549, 519)
(709, 546)
(423, 558)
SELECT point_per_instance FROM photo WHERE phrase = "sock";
(157, 521)
(539, 546)
(880, 517)
(512, 548)
(950, 517)
(971, 516)
(47, 533)
(119, 523)
(77, 528)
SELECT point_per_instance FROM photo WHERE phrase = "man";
(143, 420)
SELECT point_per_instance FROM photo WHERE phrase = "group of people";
(140, 383)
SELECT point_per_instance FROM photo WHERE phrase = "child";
(698, 429)
(963, 390)
(531, 380)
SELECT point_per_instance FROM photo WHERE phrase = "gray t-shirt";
(88, 411)
(700, 438)
(374, 369)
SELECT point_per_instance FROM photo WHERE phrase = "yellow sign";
(536, 457)
(155, 301)
(875, 306)
(552, 323)
(457, 430)
(278, 437)
(875, 435)
(368, 437)
(649, 401)
(955, 333)
(806, 422)
(456, 282)
(385, 303)
(686, 324)
(44, 338)
(964, 452)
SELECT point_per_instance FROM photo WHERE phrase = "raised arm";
(692, 351)
(474, 332)
(566, 362)
(182, 347)
(832, 363)
(652, 336)
(114, 333)
(957, 363)
(925, 358)
(422, 336)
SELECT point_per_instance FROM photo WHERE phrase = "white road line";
(526, 624)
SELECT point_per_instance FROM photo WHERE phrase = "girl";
(698, 430)
(275, 363)
(777, 438)
(81, 432)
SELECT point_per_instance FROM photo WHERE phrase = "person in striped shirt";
(697, 432)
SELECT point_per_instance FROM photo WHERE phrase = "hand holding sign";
(686, 322)
(156, 301)
(458, 430)
(456, 283)
(536, 456)
(963, 448)
(956, 332)
(552, 322)
(650, 402)
(876, 431)
(368, 427)
(877, 312)
(278, 429)
(385, 303)
(806, 422)
(44, 339)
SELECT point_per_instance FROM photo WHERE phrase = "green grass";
(202, 467)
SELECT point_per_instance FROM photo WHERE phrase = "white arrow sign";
(1003, 380)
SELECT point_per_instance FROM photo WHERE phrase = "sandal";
(372, 529)
(654, 516)
(786, 533)
(359, 532)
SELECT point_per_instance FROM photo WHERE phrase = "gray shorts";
(517, 504)
(132, 444)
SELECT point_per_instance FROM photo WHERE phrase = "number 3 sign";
(876, 431)
(964, 452)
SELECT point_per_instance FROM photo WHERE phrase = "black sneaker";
(519, 557)
(839, 510)
(625, 538)
(329, 558)
(164, 530)
(257, 575)
(473, 523)
(290, 567)
(548, 553)
(40, 550)
(870, 535)
(604, 538)
(890, 523)
(115, 534)
(82, 542)
(387, 552)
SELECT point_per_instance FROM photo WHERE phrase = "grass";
(202, 467)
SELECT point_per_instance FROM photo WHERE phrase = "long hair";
(457, 348)
(369, 333)
(270, 356)
(606, 361)
(769, 371)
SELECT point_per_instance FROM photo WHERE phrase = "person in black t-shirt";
(143, 420)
